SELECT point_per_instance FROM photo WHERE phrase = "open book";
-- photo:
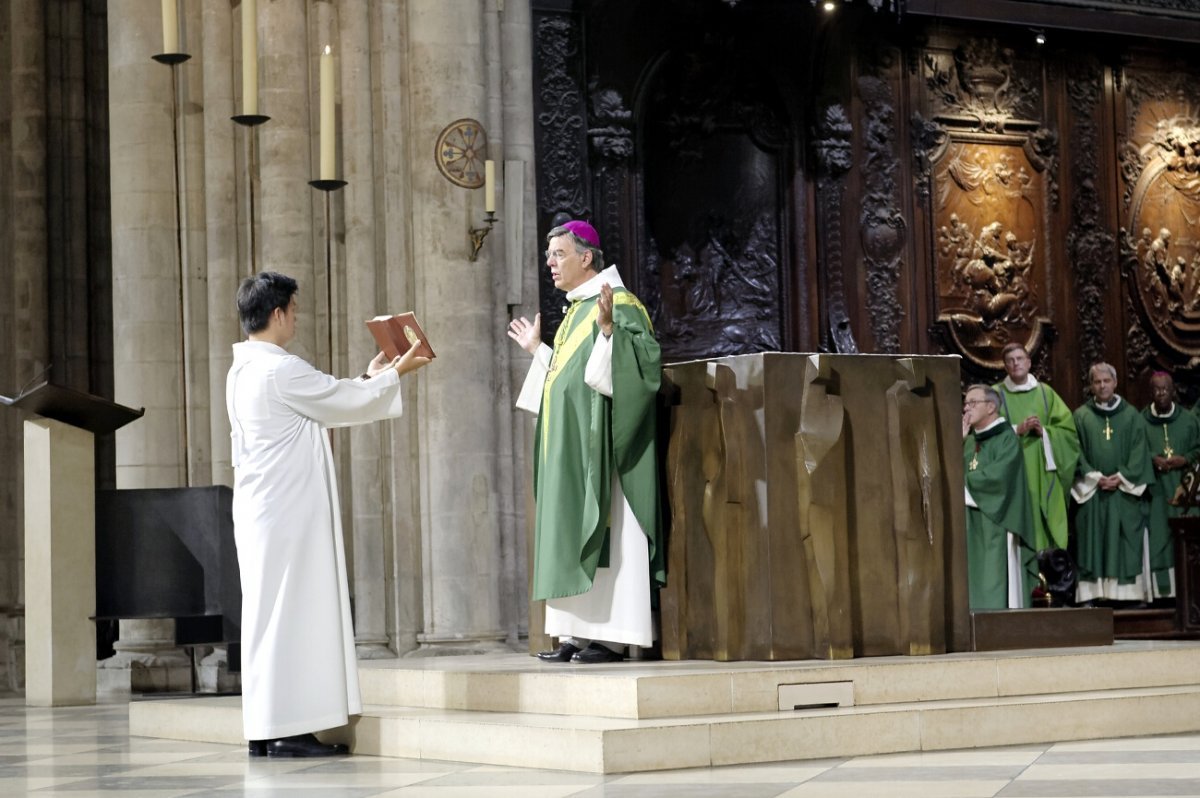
(398, 333)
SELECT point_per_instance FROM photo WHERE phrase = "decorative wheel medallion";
(460, 152)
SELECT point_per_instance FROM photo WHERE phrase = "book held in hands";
(397, 333)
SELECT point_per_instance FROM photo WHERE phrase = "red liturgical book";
(396, 334)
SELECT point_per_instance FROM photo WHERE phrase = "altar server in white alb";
(299, 670)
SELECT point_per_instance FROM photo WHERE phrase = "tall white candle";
(489, 186)
(327, 135)
(170, 20)
(250, 57)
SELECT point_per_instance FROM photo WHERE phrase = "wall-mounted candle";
(250, 57)
(327, 135)
(170, 20)
(489, 186)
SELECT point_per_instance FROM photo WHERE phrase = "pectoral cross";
(1107, 431)
(974, 464)
(1167, 450)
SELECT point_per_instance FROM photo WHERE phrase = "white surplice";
(617, 608)
(299, 669)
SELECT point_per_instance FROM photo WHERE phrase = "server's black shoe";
(304, 745)
(563, 653)
(596, 653)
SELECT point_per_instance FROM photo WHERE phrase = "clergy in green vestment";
(598, 548)
(1001, 559)
(1049, 444)
(1110, 487)
(1174, 435)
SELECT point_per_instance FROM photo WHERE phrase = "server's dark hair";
(260, 295)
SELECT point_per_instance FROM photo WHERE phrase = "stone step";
(618, 745)
(517, 683)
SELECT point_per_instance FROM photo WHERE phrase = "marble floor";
(82, 751)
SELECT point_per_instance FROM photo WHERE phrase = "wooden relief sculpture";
(1161, 241)
(821, 479)
(991, 187)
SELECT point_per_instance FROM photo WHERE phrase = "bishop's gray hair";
(581, 246)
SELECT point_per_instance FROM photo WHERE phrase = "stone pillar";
(23, 289)
(148, 320)
(226, 185)
(455, 300)
(364, 492)
(288, 61)
(516, 104)
(394, 267)
(147, 660)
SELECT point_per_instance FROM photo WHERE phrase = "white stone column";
(394, 263)
(364, 492)
(147, 327)
(287, 94)
(226, 187)
(23, 280)
(455, 300)
(516, 100)
(148, 320)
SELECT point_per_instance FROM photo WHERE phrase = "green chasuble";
(1048, 490)
(1177, 433)
(995, 474)
(582, 436)
(1109, 526)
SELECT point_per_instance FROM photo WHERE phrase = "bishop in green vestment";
(1174, 435)
(598, 549)
(1113, 475)
(1001, 559)
(1049, 445)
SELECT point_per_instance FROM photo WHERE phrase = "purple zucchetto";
(584, 231)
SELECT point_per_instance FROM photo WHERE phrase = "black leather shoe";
(596, 653)
(258, 747)
(304, 745)
(563, 653)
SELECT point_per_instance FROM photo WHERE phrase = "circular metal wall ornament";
(460, 152)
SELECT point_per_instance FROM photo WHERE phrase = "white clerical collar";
(1030, 383)
(1116, 400)
(248, 349)
(592, 287)
(999, 420)
(1154, 411)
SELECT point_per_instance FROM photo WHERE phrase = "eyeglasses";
(973, 402)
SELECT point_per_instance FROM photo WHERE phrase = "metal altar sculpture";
(817, 508)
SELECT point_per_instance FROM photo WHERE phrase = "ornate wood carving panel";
(989, 166)
(560, 128)
(714, 171)
(1160, 235)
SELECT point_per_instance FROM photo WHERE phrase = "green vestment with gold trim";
(1047, 489)
(1177, 433)
(583, 436)
(995, 474)
(1109, 526)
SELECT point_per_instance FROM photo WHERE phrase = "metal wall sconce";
(460, 149)
(478, 234)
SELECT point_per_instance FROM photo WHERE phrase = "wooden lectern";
(60, 549)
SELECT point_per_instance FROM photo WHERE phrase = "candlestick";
(489, 186)
(249, 57)
(170, 23)
(328, 146)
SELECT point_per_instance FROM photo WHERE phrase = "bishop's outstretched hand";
(527, 335)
